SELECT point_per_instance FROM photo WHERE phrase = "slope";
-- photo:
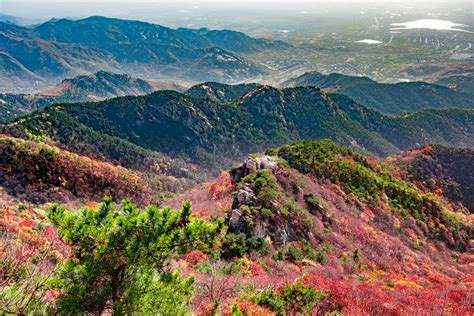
(322, 215)
(393, 99)
(38, 173)
(440, 169)
(215, 133)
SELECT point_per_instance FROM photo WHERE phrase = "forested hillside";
(393, 99)
(216, 131)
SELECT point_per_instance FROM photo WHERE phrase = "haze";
(245, 15)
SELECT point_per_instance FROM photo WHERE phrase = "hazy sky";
(36, 8)
(246, 15)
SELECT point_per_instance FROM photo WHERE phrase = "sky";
(238, 14)
(35, 8)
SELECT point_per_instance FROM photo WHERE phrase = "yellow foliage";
(407, 283)
(376, 274)
(309, 262)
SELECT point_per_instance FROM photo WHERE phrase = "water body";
(432, 24)
(369, 41)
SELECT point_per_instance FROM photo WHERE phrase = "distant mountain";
(101, 85)
(94, 87)
(22, 21)
(394, 99)
(460, 83)
(64, 48)
(214, 133)
(5, 18)
(220, 92)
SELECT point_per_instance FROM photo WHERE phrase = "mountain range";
(393, 99)
(209, 124)
(327, 195)
(93, 87)
(33, 57)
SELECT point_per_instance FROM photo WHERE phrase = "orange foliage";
(250, 309)
(91, 205)
(194, 257)
(220, 187)
(426, 149)
(345, 158)
(206, 308)
(201, 213)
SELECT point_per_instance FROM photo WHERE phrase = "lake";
(433, 24)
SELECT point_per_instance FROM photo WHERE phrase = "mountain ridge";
(394, 99)
(92, 87)
(201, 129)
(64, 48)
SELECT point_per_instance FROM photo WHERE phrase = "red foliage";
(256, 269)
(220, 187)
(457, 296)
(355, 298)
(194, 257)
(28, 223)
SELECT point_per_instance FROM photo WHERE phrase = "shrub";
(194, 257)
(292, 299)
(300, 298)
(237, 245)
(294, 254)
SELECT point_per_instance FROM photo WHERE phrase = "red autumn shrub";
(206, 308)
(457, 296)
(194, 257)
(28, 223)
(256, 269)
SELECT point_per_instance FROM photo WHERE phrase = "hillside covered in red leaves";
(312, 228)
(368, 232)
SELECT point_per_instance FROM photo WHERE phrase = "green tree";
(120, 260)
(301, 299)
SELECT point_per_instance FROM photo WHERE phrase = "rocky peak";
(252, 164)
(260, 208)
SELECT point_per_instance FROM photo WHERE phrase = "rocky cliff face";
(260, 209)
